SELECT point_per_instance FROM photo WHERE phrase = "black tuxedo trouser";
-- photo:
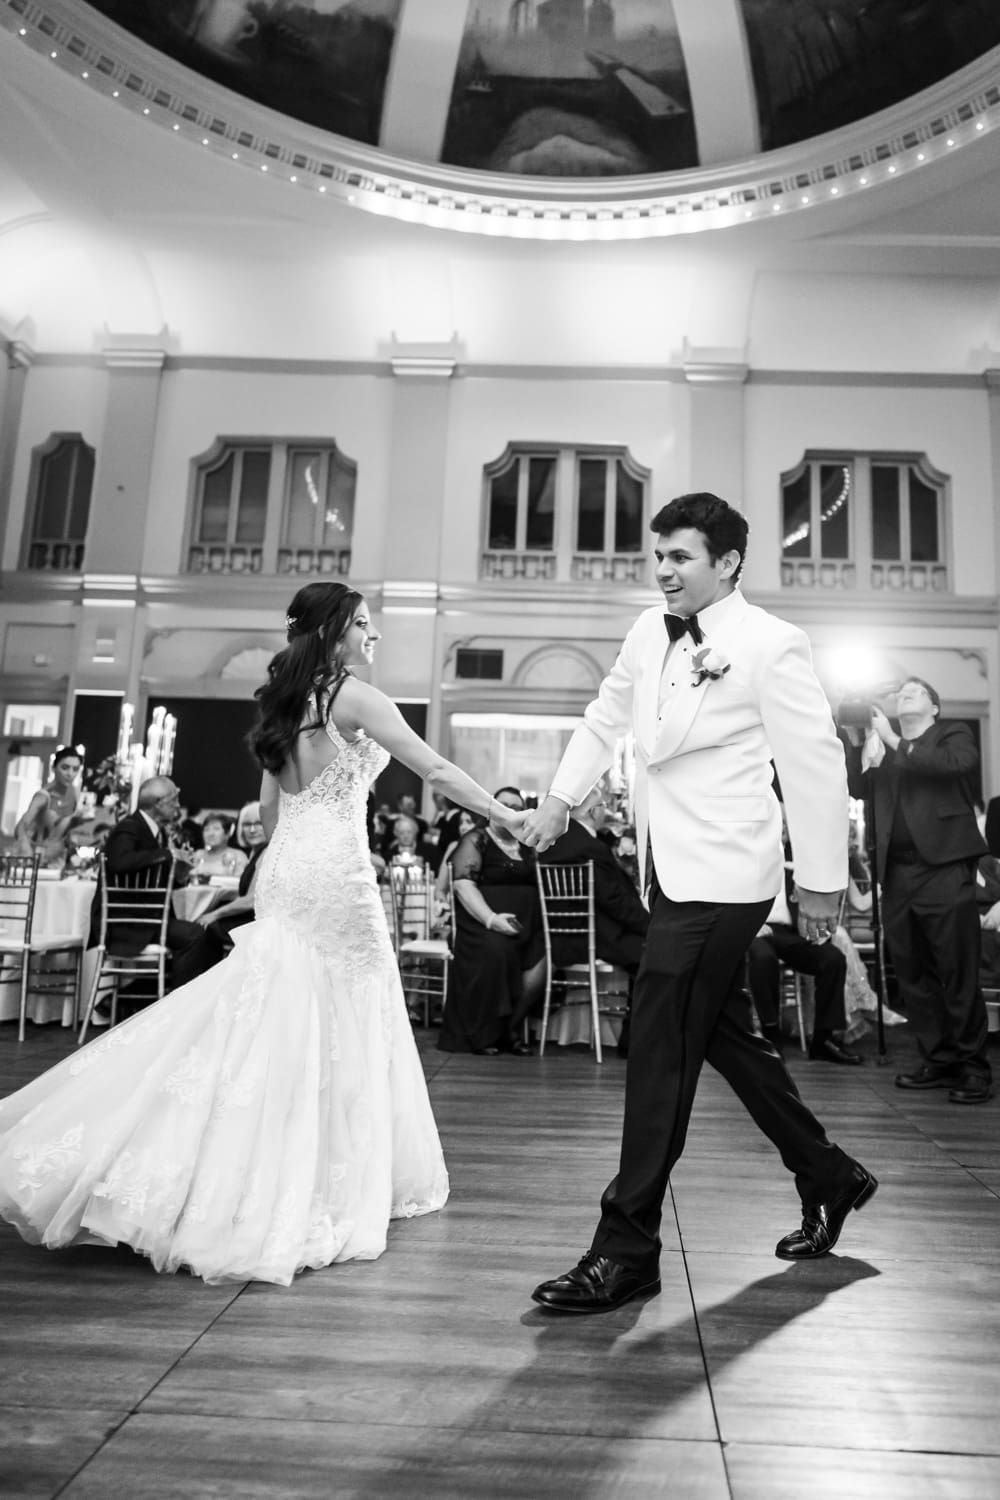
(688, 1007)
(931, 925)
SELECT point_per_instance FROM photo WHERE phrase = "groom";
(713, 691)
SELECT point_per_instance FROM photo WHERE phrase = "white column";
(12, 383)
(124, 462)
(716, 396)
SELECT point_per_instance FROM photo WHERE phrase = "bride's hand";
(514, 822)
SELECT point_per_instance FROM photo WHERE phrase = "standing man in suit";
(712, 692)
(140, 842)
(928, 845)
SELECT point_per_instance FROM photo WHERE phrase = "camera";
(855, 713)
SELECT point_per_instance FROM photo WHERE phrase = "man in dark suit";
(780, 942)
(139, 842)
(927, 847)
(620, 919)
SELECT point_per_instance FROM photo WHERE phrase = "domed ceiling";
(574, 119)
(572, 89)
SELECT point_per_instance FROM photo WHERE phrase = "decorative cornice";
(423, 366)
(946, 118)
(700, 372)
(134, 359)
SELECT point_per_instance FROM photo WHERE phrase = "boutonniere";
(708, 665)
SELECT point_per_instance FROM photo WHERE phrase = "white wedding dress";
(269, 1116)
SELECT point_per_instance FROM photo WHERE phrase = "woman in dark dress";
(498, 971)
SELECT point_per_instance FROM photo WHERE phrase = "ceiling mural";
(821, 64)
(570, 88)
(324, 62)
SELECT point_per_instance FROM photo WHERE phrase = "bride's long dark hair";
(317, 620)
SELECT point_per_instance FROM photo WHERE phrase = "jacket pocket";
(733, 809)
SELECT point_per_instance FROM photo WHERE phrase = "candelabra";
(135, 762)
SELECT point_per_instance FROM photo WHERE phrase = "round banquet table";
(61, 907)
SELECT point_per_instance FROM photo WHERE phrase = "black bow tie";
(677, 626)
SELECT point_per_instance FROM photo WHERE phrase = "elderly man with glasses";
(141, 841)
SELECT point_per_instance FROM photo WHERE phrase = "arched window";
(565, 513)
(62, 478)
(272, 507)
(864, 521)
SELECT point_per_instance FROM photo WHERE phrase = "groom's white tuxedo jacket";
(703, 793)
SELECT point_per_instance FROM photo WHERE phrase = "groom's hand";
(548, 822)
(818, 912)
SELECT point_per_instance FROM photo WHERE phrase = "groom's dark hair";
(724, 528)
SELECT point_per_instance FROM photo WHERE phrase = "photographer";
(927, 845)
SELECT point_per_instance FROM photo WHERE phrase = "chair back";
(411, 890)
(140, 899)
(18, 884)
(566, 896)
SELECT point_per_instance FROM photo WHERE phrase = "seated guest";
(406, 807)
(498, 971)
(620, 919)
(217, 857)
(626, 856)
(230, 911)
(988, 902)
(443, 828)
(779, 942)
(406, 847)
(141, 841)
(467, 821)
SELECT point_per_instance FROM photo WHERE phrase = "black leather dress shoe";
(597, 1284)
(973, 1088)
(827, 1049)
(822, 1222)
(929, 1076)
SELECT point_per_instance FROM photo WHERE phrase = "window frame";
(30, 538)
(564, 561)
(276, 556)
(861, 571)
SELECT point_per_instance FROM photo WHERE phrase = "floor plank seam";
(108, 1436)
(701, 1343)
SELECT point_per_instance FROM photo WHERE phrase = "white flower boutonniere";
(708, 665)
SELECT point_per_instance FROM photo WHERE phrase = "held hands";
(547, 823)
(818, 913)
(514, 822)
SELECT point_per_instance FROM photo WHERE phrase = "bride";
(271, 1115)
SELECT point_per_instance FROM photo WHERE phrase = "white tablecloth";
(61, 906)
(192, 901)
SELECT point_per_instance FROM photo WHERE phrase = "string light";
(800, 534)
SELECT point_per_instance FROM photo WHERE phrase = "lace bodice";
(317, 873)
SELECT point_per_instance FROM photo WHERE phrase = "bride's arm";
(358, 705)
(269, 803)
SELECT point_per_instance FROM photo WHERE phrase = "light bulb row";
(710, 209)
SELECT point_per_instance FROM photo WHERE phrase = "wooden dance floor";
(429, 1373)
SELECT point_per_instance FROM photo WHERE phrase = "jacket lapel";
(685, 707)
